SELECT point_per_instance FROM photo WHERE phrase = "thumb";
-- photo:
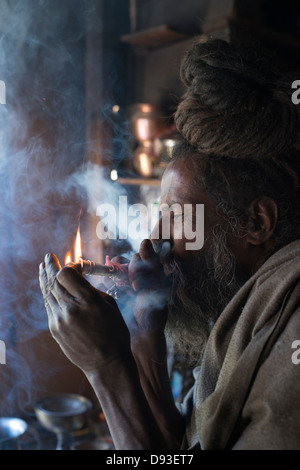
(73, 282)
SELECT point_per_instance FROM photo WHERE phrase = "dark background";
(66, 63)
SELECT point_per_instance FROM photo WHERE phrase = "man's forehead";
(178, 183)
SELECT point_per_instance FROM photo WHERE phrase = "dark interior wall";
(266, 24)
(269, 25)
(184, 16)
(155, 76)
(42, 61)
(64, 67)
(282, 17)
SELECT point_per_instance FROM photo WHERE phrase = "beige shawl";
(247, 392)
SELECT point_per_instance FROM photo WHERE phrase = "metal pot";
(144, 160)
(146, 121)
(63, 414)
(10, 430)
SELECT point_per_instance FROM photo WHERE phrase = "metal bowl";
(10, 430)
(146, 121)
(64, 412)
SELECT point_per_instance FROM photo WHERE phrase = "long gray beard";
(201, 290)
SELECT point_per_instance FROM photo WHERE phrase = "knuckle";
(53, 324)
(108, 298)
(70, 311)
(134, 265)
(65, 271)
(136, 259)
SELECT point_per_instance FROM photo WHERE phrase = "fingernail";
(134, 285)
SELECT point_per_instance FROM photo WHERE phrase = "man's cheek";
(194, 227)
(179, 250)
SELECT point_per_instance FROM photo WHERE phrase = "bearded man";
(233, 306)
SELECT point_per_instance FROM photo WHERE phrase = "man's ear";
(263, 214)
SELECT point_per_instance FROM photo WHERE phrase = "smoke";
(44, 180)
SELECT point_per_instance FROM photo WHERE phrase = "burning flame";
(77, 246)
(68, 258)
(77, 250)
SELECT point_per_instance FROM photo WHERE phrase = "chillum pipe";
(90, 268)
(117, 270)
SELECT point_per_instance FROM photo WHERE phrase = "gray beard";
(200, 291)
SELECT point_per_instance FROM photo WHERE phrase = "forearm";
(89, 327)
(151, 360)
(128, 415)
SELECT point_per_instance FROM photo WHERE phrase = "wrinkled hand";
(150, 309)
(85, 322)
(151, 285)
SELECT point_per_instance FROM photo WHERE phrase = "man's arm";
(128, 415)
(151, 360)
(148, 341)
(89, 328)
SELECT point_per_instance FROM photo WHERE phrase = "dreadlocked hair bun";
(235, 106)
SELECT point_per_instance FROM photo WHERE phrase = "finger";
(134, 271)
(73, 283)
(49, 300)
(162, 248)
(138, 273)
(71, 287)
(147, 251)
(52, 266)
(50, 306)
(59, 294)
(62, 296)
(76, 266)
(43, 279)
(48, 282)
(143, 263)
(108, 298)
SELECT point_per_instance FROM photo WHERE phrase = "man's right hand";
(86, 322)
(151, 287)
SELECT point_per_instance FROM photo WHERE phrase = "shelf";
(139, 181)
(154, 37)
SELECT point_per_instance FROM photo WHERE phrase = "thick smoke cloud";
(42, 147)
(46, 183)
